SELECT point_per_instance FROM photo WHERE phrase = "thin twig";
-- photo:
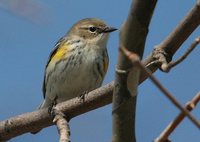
(134, 59)
(62, 125)
(170, 65)
(171, 127)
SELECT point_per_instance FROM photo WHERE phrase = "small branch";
(135, 61)
(184, 56)
(62, 125)
(161, 57)
(171, 127)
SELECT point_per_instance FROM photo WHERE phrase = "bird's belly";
(73, 80)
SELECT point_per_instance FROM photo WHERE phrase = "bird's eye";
(92, 29)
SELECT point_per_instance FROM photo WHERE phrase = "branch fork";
(163, 59)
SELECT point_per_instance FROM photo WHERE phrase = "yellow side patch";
(60, 53)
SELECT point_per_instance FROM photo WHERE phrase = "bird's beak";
(109, 29)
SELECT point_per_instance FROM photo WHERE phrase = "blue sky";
(26, 44)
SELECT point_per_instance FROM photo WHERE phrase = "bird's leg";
(82, 95)
(52, 106)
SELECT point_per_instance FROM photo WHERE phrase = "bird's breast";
(81, 71)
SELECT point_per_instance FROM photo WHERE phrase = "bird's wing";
(52, 54)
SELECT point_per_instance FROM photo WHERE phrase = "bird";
(78, 63)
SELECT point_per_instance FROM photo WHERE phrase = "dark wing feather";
(53, 52)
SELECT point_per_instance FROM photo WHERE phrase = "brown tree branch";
(33, 121)
(172, 126)
(133, 35)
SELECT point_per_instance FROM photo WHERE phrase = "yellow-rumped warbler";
(78, 63)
